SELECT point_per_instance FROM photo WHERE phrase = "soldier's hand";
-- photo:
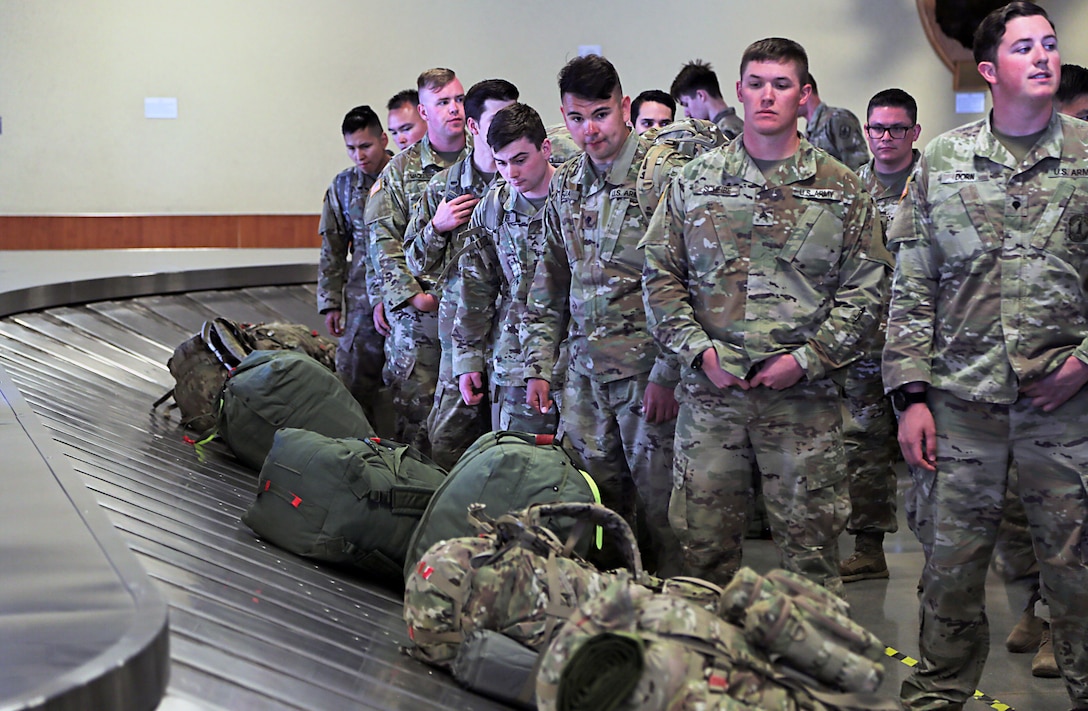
(454, 213)
(537, 395)
(380, 323)
(721, 379)
(918, 437)
(659, 404)
(424, 302)
(334, 322)
(472, 388)
(1051, 392)
(778, 372)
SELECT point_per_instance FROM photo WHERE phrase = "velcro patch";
(818, 194)
(958, 176)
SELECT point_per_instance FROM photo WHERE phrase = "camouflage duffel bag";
(631, 648)
(270, 390)
(352, 502)
(517, 578)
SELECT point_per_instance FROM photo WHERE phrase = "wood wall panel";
(162, 231)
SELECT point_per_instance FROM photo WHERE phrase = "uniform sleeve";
(335, 243)
(480, 281)
(387, 219)
(859, 298)
(425, 247)
(669, 313)
(548, 303)
(912, 313)
(849, 140)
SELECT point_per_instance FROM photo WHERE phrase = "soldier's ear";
(988, 70)
(546, 148)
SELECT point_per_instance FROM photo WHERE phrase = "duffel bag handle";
(598, 515)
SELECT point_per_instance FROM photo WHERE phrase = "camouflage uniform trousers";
(411, 372)
(869, 441)
(360, 359)
(1014, 555)
(452, 426)
(515, 414)
(960, 508)
(628, 457)
(795, 438)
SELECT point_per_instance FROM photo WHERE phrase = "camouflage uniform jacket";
(989, 292)
(591, 270)
(339, 240)
(387, 213)
(495, 280)
(730, 124)
(838, 132)
(755, 268)
(886, 197)
(427, 251)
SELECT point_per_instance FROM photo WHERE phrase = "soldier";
(868, 426)
(1072, 96)
(405, 125)
(835, 130)
(495, 277)
(345, 279)
(434, 239)
(986, 355)
(410, 306)
(765, 270)
(618, 403)
(696, 88)
(652, 108)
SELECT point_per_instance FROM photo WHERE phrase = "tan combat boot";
(868, 561)
(1027, 635)
(1044, 664)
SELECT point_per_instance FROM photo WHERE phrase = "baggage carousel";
(167, 600)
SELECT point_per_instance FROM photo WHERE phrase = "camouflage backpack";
(563, 146)
(673, 146)
(517, 578)
(353, 502)
(200, 366)
(631, 648)
(293, 337)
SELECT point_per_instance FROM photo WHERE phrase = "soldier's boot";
(868, 561)
(1027, 634)
(1044, 665)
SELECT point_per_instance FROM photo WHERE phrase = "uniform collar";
(617, 174)
(798, 167)
(1049, 144)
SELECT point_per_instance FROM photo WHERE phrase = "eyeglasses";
(897, 132)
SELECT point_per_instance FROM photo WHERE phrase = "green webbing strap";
(599, 538)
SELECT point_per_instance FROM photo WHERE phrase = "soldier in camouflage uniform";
(868, 425)
(834, 130)
(652, 108)
(410, 305)
(508, 228)
(405, 124)
(434, 240)
(987, 351)
(618, 402)
(765, 271)
(696, 88)
(345, 280)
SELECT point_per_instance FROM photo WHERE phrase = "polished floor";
(253, 627)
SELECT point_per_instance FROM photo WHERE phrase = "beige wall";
(262, 84)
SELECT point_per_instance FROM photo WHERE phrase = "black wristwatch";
(901, 399)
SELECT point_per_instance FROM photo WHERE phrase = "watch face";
(898, 399)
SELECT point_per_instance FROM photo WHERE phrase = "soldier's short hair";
(777, 49)
(435, 79)
(811, 81)
(655, 95)
(989, 32)
(896, 98)
(591, 77)
(693, 76)
(487, 90)
(514, 122)
(405, 97)
(360, 118)
(1073, 85)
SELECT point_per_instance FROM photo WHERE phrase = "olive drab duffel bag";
(506, 471)
(270, 390)
(352, 502)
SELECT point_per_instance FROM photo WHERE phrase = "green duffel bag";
(506, 471)
(352, 502)
(270, 390)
